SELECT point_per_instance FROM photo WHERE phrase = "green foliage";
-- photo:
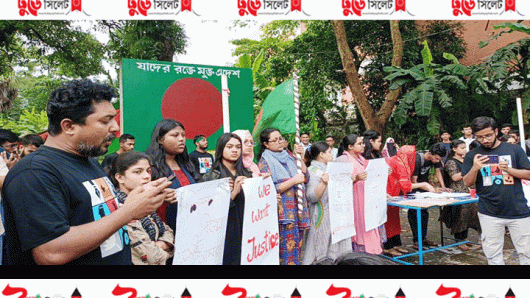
(29, 122)
(314, 56)
(266, 57)
(60, 47)
(35, 91)
(262, 86)
(508, 70)
(436, 95)
(147, 39)
(37, 56)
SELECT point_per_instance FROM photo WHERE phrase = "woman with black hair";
(151, 239)
(319, 243)
(459, 218)
(350, 151)
(282, 167)
(453, 166)
(229, 163)
(372, 144)
(167, 150)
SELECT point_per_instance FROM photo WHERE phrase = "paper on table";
(427, 202)
(443, 195)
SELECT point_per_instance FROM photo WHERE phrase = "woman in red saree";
(399, 183)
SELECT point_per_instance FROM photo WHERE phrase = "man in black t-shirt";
(424, 162)
(496, 169)
(60, 207)
(127, 143)
(201, 159)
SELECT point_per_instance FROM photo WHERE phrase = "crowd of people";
(60, 203)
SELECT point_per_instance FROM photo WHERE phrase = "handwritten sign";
(340, 191)
(375, 194)
(260, 245)
(201, 223)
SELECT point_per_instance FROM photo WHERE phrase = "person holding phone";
(502, 203)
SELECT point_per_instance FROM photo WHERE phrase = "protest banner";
(201, 223)
(340, 191)
(260, 245)
(375, 194)
(191, 94)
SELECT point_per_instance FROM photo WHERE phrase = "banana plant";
(430, 88)
(261, 86)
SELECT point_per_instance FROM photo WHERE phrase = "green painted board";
(191, 94)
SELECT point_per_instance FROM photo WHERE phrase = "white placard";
(340, 192)
(260, 244)
(201, 223)
(375, 193)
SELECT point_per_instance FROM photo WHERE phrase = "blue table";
(395, 201)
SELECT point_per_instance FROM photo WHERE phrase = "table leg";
(441, 228)
(420, 237)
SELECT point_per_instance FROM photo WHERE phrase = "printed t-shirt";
(202, 161)
(500, 194)
(50, 191)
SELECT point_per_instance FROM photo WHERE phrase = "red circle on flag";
(196, 103)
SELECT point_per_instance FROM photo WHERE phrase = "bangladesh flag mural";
(191, 94)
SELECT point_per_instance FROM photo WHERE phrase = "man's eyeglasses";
(488, 136)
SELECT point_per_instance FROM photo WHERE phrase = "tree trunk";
(372, 119)
(8, 94)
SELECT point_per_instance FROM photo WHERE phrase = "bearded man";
(60, 208)
(496, 169)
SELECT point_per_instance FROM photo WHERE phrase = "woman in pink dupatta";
(248, 152)
(350, 150)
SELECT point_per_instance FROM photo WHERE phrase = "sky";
(209, 41)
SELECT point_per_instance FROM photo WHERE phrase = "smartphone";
(493, 159)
